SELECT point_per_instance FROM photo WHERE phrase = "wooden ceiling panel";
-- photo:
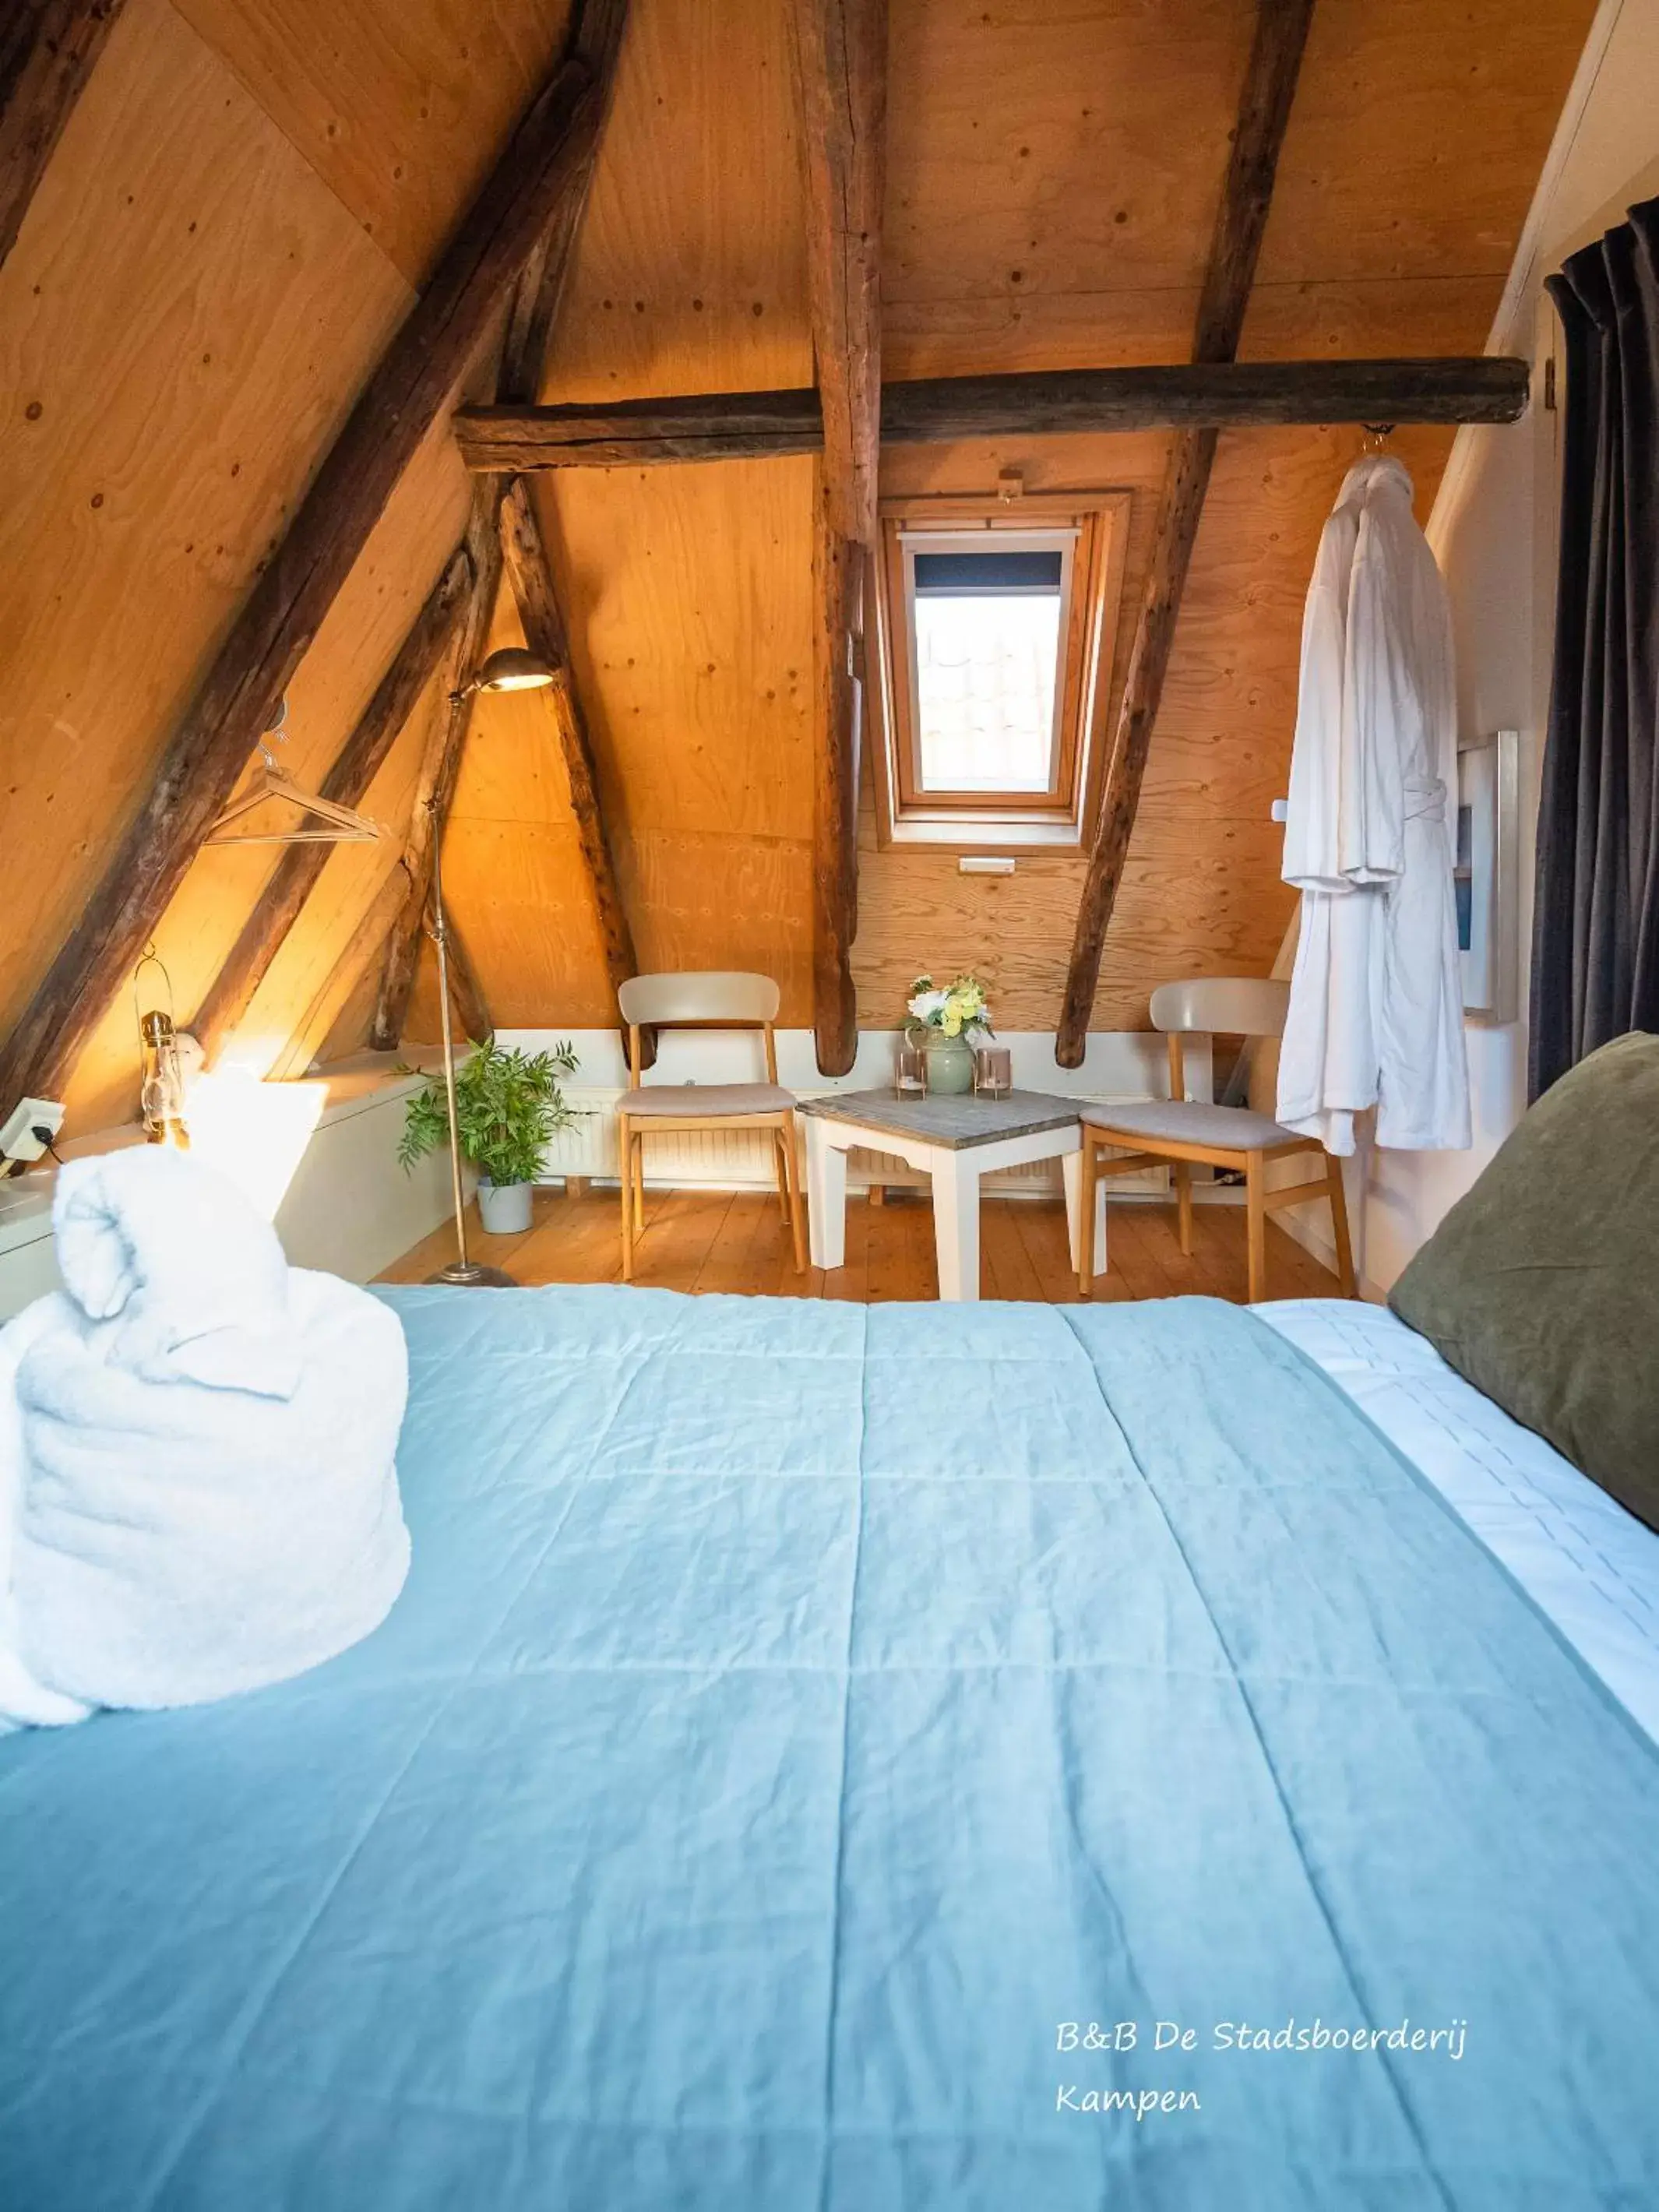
(183, 321)
(1286, 321)
(1418, 130)
(690, 271)
(400, 109)
(330, 689)
(226, 238)
(1037, 150)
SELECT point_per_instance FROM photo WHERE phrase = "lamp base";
(472, 1275)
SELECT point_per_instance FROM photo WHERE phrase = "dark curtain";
(1596, 932)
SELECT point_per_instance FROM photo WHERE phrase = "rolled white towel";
(24, 1701)
(193, 1278)
(207, 1497)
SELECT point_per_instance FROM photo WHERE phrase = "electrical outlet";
(30, 1129)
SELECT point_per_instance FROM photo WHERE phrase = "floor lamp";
(512, 669)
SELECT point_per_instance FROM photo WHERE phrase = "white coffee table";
(953, 1140)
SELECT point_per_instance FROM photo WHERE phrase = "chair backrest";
(710, 995)
(1228, 1006)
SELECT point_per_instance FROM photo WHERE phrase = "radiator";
(742, 1159)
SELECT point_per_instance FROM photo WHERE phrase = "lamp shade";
(515, 668)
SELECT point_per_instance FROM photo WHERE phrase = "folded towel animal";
(200, 1441)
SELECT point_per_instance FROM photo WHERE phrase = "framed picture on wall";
(1485, 875)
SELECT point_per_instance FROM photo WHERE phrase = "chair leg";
(1086, 1204)
(1256, 1226)
(625, 1180)
(780, 1174)
(797, 1198)
(639, 1184)
(1339, 1226)
(1183, 1183)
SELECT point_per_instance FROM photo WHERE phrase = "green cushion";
(1541, 1286)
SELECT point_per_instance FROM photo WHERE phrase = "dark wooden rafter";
(760, 425)
(466, 994)
(841, 67)
(435, 789)
(47, 50)
(277, 907)
(1264, 112)
(531, 576)
(547, 160)
(596, 37)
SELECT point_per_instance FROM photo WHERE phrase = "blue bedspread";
(812, 1742)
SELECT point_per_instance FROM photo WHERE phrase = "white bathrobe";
(1375, 1015)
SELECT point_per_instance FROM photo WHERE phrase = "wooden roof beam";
(596, 35)
(531, 576)
(290, 883)
(841, 68)
(547, 160)
(440, 769)
(757, 425)
(1264, 112)
(47, 50)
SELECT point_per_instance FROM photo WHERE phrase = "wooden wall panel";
(1201, 891)
(689, 597)
(399, 109)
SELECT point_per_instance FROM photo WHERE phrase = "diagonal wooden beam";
(595, 39)
(465, 994)
(440, 768)
(1270, 78)
(47, 50)
(290, 884)
(548, 159)
(841, 67)
(531, 576)
(1035, 403)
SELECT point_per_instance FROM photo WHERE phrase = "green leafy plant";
(507, 1103)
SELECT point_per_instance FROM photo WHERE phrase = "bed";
(831, 1758)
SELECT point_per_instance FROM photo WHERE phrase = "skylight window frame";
(1061, 818)
(934, 537)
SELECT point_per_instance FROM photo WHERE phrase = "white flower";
(926, 1003)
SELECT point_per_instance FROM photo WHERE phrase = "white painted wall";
(1494, 530)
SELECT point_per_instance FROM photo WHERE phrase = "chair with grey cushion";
(716, 1000)
(1179, 1132)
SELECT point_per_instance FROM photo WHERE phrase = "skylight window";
(987, 628)
(995, 631)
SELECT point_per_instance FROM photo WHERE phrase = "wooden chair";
(717, 999)
(1180, 1131)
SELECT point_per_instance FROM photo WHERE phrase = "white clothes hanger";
(342, 825)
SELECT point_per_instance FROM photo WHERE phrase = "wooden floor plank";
(714, 1241)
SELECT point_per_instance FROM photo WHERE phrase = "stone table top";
(953, 1124)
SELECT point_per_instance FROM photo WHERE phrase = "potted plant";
(507, 1106)
(947, 1024)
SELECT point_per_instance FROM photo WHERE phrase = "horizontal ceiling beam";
(750, 425)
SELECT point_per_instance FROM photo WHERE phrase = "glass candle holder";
(910, 1072)
(993, 1070)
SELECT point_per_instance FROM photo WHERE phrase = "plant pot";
(950, 1065)
(504, 1208)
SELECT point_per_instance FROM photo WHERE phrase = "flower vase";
(950, 1064)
